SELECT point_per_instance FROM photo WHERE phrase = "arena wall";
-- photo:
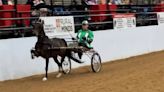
(16, 62)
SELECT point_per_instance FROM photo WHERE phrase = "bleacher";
(16, 20)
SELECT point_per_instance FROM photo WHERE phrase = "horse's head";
(38, 28)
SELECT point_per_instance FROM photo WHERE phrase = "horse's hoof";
(59, 75)
(44, 79)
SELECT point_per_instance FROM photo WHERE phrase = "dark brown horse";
(43, 48)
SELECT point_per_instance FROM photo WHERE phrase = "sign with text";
(160, 16)
(60, 25)
(123, 21)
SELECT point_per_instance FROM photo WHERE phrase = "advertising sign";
(62, 25)
(160, 16)
(123, 21)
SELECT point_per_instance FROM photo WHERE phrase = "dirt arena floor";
(138, 74)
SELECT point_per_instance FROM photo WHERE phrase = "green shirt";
(88, 34)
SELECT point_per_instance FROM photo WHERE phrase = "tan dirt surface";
(138, 74)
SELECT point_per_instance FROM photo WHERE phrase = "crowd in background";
(88, 2)
(8, 2)
(123, 2)
(31, 2)
(69, 7)
(95, 2)
(39, 7)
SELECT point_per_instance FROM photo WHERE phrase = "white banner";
(59, 25)
(123, 21)
(160, 16)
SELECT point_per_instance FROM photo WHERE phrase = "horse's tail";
(69, 53)
(74, 59)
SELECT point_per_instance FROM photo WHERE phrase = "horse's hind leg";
(46, 69)
(60, 67)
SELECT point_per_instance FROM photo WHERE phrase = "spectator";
(30, 2)
(4, 1)
(109, 2)
(43, 11)
(117, 2)
(40, 8)
(103, 1)
(1, 2)
(47, 2)
(10, 2)
(162, 2)
(126, 2)
(91, 2)
(38, 2)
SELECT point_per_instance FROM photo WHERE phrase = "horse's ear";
(39, 20)
(43, 22)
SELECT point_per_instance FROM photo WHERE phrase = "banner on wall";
(60, 25)
(123, 21)
(160, 16)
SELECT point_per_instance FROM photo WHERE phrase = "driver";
(85, 37)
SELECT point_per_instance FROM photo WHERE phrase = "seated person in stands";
(35, 3)
(1, 2)
(91, 2)
(85, 36)
(10, 2)
(40, 8)
(117, 2)
(6, 2)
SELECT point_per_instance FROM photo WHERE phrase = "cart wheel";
(66, 65)
(96, 62)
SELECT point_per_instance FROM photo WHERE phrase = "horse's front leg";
(46, 69)
(60, 67)
(33, 53)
